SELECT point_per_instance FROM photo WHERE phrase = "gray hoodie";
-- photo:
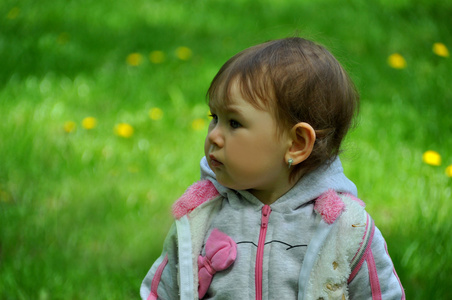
(291, 225)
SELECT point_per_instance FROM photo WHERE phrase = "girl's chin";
(230, 185)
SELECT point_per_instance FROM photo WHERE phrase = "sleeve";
(376, 278)
(161, 280)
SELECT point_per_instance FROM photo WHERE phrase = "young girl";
(273, 216)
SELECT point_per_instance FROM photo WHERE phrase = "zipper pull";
(266, 210)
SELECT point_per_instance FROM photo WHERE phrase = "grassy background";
(83, 213)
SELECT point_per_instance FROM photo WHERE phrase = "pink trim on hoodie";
(329, 205)
(156, 280)
(194, 196)
(366, 251)
(373, 276)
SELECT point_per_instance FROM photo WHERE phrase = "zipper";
(266, 210)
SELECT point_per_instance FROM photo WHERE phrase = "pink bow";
(221, 251)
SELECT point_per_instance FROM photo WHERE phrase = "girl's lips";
(214, 162)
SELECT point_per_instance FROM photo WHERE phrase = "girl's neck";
(270, 196)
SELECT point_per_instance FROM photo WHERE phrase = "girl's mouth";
(214, 162)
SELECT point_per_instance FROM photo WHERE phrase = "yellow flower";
(440, 49)
(184, 53)
(157, 57)
(89, 123)
(13, 13)
(134, 59)
(432, 158)
(397, 61)
(198, 124)
(69, 126)
(449, 171)
(155, 113)
(124, 130)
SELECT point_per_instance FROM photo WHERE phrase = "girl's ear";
(302, 137)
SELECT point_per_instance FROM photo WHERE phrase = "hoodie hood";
(308, 188)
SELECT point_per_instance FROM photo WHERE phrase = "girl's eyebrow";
(233, 109)
(226, 108)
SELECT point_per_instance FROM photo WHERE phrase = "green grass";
(83, 214)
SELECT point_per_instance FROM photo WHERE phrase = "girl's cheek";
(242, 152)
(206, 146)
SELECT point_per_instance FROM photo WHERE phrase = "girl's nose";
(215, 136)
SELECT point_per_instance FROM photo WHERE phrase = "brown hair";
(299, 81)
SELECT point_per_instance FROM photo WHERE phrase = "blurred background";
(103, 117)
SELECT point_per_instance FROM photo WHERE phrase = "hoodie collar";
(308, 188)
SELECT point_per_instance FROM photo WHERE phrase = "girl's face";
(244, 150)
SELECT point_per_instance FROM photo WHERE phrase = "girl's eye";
(214, 118)
(234, 124)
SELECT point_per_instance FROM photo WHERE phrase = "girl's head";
(297, 81)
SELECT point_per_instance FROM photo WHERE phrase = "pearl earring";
(290, 162)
